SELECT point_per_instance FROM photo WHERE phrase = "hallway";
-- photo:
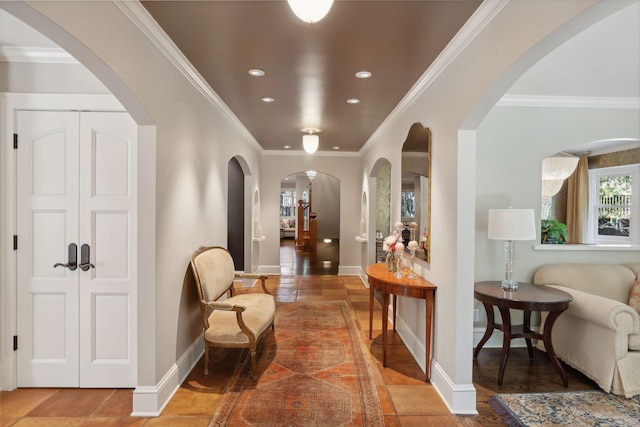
(406, 399)
(299, 263)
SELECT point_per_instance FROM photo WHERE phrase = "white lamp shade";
(310, 10)
(310, 143)
(511, 224)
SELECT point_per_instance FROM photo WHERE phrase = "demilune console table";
(527, 297)
(387, 284)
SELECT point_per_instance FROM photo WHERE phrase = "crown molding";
(568, 102)
(299, 153)
(143, 20)
(485, 13)
(48, 55)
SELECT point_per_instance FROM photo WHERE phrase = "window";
(614, 214)
(408, 204)
(287, 203)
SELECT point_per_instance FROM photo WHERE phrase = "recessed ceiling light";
(256, 72)
(336, 147)
(268, 99)
(363, 74)
(286, 147)
(353, 101)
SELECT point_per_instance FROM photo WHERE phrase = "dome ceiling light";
(310, 11)
(310, 141)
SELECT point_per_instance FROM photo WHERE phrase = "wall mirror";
(416, 187)
(590, 200)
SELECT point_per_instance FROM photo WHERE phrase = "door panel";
(107, 225)
(47, 203)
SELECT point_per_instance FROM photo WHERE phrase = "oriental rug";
(313, 371)
(576, 408)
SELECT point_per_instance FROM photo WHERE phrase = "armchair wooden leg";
(206, 360)
(253, 360)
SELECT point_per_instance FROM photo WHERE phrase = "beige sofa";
(599, 334)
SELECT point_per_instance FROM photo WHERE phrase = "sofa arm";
(606, 312)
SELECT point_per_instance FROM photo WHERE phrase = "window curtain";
(578, 202)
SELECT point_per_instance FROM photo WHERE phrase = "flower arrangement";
(423, 241)
(389, 243)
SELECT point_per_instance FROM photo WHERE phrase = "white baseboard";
(149, 401)
(349, 270)
(459, 398)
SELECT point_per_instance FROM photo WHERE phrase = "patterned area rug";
(579, 408)
(312, 372)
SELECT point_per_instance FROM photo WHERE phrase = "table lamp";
(511, 225)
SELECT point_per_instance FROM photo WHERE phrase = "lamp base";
(509, 285)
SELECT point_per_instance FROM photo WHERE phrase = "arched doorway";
(322, 191)
(235, 213)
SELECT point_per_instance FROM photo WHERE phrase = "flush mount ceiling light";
(353, 101)
(256, 72)
(268, 99)
(310, 11)
(311, 140)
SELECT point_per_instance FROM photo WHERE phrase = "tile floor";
(405, 398)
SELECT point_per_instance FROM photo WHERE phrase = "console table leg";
(371, 297)
(385, 314)
(506, 341)
(429, 312)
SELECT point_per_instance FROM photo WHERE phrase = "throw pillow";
(634, 296)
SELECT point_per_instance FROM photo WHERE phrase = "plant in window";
(553, 232)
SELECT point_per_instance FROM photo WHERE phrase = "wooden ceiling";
(310, 69)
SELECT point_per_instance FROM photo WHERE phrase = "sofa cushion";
(634, 295)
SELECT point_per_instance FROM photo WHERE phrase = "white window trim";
(634, 228)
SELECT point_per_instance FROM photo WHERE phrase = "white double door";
(76, 197)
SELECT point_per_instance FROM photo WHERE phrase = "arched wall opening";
(323, 191)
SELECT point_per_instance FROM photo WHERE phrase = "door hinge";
(15, 141)
(15, 243)
(15, 342)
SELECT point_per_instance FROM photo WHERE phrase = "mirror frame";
(419, 139)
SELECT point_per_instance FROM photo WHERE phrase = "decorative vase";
(391, 261)
(398, 261)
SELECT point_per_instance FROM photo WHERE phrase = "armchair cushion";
(257, 316)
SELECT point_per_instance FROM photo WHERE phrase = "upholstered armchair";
(239, 321)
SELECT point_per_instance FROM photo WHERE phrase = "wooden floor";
(298, 262)
(406, 399)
